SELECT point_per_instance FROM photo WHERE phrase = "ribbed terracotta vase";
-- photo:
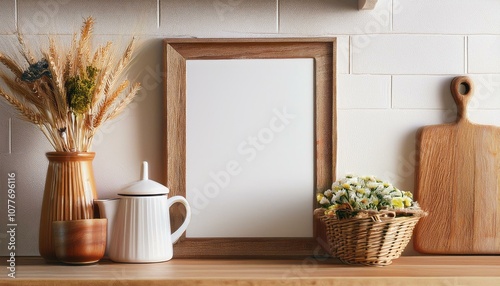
(69, 194)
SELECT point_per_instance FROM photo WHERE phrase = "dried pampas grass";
(69, 93)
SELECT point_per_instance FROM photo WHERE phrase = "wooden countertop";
(406, 270)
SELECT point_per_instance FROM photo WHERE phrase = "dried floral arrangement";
(69, 93)
(361, 193)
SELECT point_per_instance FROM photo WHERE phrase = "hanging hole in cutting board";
(464, 88)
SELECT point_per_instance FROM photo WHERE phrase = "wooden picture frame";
(176, 53)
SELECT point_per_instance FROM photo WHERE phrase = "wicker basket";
(368, 237)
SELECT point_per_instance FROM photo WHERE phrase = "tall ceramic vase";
(69, 194)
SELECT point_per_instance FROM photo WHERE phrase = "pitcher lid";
(144, 186)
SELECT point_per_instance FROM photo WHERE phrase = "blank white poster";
(250, 147)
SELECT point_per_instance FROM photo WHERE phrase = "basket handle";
(383, 214)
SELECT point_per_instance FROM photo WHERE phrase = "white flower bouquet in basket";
(366, 220)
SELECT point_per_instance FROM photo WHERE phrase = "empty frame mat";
(250, 138)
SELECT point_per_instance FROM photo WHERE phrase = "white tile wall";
(485, 117)
(27, 137)
(408, 54)
(229, 18)
(7, 47)
(30, 167)
(394, 66)
(483, 54)
(381, 143)
(65, 16)
(4, 130)
(486, 91)
(433, 92)
(363, 91)
(343, 55)
(7, 17)
(447, 16)
(421, 92)
(326, 17)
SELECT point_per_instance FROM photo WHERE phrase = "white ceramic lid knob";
(145, 186)
(144, 171)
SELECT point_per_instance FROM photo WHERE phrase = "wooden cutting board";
(458, 183)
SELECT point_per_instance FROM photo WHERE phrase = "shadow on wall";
(136, 135)
(450, 112)
(147, 68)
(345, 4)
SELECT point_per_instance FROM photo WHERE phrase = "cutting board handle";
(462, 88)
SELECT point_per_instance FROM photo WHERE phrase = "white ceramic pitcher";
(139, 222)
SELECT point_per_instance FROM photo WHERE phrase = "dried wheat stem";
(11, 65)
(127, 56)
(99, 94)
(125, 101)
(84, 46)
(122, 63)
(58, 89)
(99, 61)
(109, 103)
(22, 90)
(101, 56)
(110, 98)
(26, 112)
(44, 101)
(25, 52)
(50, 137)
(70, 70)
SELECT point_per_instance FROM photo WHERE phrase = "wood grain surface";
(406, 270)
(458, 183)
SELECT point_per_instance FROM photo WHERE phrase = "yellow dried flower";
(397, 202)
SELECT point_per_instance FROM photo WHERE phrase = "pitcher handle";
(178, 199)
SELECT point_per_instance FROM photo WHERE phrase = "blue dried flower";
(36, 71)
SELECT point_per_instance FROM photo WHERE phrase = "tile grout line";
(390, 92)
(466, 54)
(350, 52)
(16, 15)
(158, 14)
(10, 135)
(278, 16)
(392, 16)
